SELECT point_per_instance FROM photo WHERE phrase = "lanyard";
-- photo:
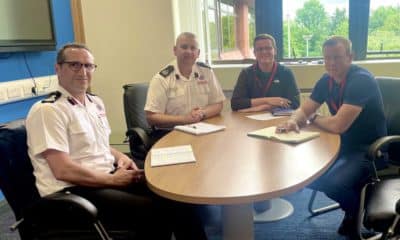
(271, 77)
(332, 102)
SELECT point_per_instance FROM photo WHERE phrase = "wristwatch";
(203, 115)
(312, 118)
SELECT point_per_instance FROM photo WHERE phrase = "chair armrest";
(140, 137)
(62, 204)
(374, 150)
(398, 206)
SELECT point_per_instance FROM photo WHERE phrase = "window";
(384, 29)
(301, 26)
(307, 23)
(231, 27)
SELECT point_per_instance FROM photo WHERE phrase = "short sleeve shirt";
(66, 125)
(361, 89)
(172, 93)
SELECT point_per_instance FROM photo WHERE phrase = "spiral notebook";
(288, 137)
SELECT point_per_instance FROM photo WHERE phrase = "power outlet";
(3, 94)
(14, 92)
(43, 85)
(27, 89)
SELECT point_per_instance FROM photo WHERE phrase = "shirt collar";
(179, 76)
(68, 96)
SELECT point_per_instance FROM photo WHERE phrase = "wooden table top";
(232, 168)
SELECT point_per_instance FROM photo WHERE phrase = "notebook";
(282, 111)
(200, 128)
(289, 137)
(172, 155)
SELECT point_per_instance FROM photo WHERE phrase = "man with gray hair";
(185, 91)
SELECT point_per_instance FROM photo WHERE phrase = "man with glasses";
(355, 103)
(184, 92)
(68, 143)
(266, 84)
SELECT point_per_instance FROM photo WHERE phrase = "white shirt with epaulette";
(172, 93)
(64, 124)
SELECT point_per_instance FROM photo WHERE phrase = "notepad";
(200, 128)
(172, 155)
(289, 137)
(263, 116)
(279, 111)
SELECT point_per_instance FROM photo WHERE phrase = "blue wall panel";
(13, 67)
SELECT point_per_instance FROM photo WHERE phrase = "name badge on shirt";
(276, 81)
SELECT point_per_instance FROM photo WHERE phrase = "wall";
(306, 75)
(13, 67)
(131, 41)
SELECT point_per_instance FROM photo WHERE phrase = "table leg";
(275, 209)
(237, 222)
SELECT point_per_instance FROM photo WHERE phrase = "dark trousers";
(149, 215)
(344, 180)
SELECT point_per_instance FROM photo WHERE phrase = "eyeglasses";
(262, 49)
(77, 66)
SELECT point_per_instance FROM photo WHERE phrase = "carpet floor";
(298, 226)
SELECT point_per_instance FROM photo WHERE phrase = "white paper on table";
(263, 116)
(200, 128)
(172, 155)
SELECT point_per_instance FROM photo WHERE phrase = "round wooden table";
(235, 170)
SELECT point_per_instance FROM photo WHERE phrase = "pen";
(280, 129)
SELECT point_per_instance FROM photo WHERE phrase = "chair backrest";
(17, 181)
(390, 89)
(134, 100)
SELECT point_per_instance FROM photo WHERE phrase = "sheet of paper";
(200, 128)
(262, 116)
(172, 155)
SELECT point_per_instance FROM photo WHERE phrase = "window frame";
(268, 12)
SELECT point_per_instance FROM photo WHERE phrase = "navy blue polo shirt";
(361, 89)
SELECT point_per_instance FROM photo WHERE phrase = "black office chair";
(390, 88)
(56, 216)
(139, 134)
(380, 199)
(380, 205)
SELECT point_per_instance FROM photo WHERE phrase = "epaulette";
(52, 97)
(167, 71)
(90, 94)
(201, 64)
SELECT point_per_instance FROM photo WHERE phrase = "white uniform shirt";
(68, 126)
(174, 94)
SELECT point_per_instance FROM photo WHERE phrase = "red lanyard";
(271, 77)
(341, 91)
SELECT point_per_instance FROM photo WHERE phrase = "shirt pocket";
(203, 94)
(105, 125)
(80, 135)
(176, 101)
